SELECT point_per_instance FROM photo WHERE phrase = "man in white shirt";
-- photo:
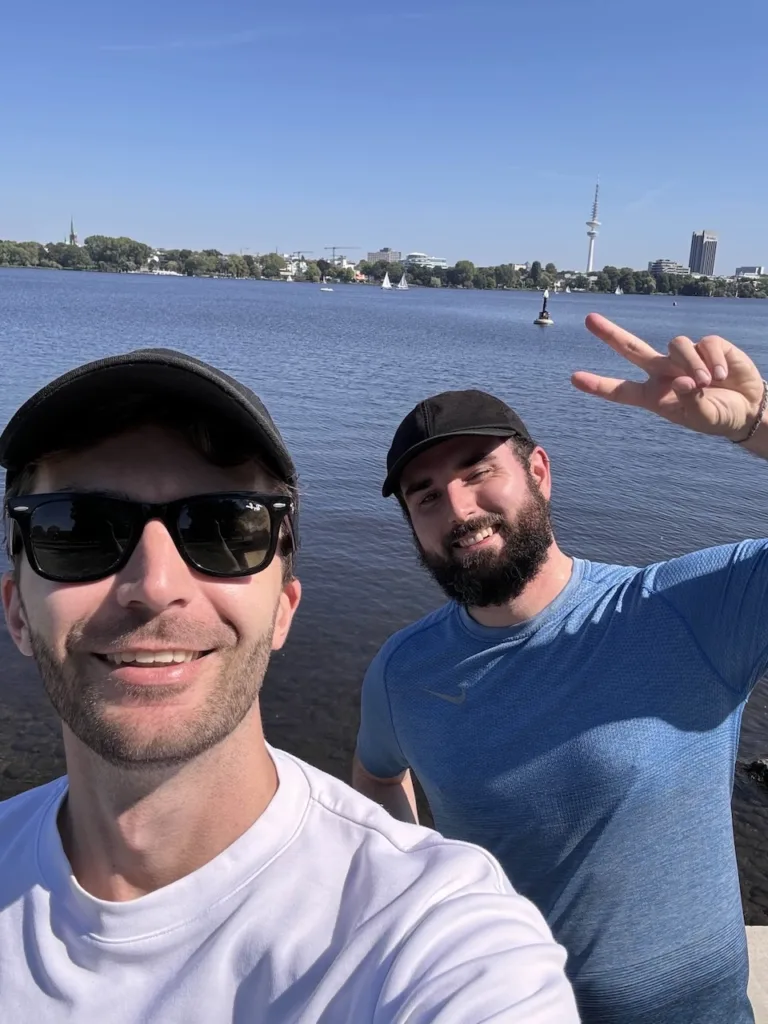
(184, 870)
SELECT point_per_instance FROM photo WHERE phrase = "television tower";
(593, 225)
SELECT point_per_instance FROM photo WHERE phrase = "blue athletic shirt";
(591, 749)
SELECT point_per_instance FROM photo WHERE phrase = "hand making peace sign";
(711, 386)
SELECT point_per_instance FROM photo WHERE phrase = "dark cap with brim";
(449, 414)
(73, 405)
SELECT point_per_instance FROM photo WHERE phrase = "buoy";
(544, 319)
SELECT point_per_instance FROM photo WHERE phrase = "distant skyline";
(465, 131)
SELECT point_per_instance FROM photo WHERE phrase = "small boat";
(567, 289)
(403, 285)
(325, 288)
(544, 319)
(619, 291)
(386, 284)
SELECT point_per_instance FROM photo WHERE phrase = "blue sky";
(469, 130)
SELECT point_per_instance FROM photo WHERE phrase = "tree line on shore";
(125, 255)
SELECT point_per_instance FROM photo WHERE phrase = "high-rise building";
(592, 226)
(385, 255)
(703, 252)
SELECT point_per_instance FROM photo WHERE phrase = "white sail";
(568, 290)
(386, 283)
(619, 291)
(403, 286)
(546, 293)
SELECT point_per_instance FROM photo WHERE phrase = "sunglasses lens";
(80, 538)
(229, 536)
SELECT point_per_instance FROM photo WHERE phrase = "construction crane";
(333, 249)
(300, 254)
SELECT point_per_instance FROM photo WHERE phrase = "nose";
(156, 577)
(461, 501)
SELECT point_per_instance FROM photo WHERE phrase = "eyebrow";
(79, 489)
(426, 482)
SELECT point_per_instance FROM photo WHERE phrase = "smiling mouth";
(152, 658)
(474, 538)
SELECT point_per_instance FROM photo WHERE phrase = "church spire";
(72, 235)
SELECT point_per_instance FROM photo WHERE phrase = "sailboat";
(403, 285)
(386, 284)
(568, 289)
(619, 291)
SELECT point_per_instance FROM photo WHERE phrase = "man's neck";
(128, 833)
(548, 583)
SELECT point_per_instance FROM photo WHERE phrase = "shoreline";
(372, 284)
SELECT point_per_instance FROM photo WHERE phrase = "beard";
(82, 705)
(491, 577)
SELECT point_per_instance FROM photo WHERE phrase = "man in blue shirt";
(581, 720)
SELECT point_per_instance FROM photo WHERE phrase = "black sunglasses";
(76, 537)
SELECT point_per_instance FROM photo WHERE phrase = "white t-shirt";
(325, 910)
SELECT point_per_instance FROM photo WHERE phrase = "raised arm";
(709, 386)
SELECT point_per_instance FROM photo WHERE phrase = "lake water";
(338, 371)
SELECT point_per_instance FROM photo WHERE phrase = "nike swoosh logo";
(449, 697)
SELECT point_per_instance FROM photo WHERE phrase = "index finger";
(632, 348)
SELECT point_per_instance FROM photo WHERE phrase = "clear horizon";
(469, 133)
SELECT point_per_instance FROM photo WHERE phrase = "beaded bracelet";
(758, 418)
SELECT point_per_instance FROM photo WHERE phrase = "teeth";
(151, 657)
(475, 538)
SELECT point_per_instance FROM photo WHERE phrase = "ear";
(15, 614)
(286, 609)
(540, 470)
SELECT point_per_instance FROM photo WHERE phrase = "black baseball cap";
(449, 414)
(73, 406)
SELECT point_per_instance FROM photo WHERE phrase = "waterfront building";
(703, 253)
(420, 259)
(385, 255)
(750, 272)
(667, 267)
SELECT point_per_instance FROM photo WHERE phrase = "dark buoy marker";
(544, 319)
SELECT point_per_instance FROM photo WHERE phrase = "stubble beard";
(492, 577)
(82, 707)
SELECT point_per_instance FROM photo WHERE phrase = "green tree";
(551, 269)
(662, 283)
(627, 280)
(644, 283)
(462, 274)
(484, 278)
(602, 282)
(236, 266)
(613, 277)
(72, 257)
(535, 273)
(200, 265)
(506, 276)
(272, 264)
(312, 273)
(118, 253)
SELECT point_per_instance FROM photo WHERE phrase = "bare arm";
(395, 795)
